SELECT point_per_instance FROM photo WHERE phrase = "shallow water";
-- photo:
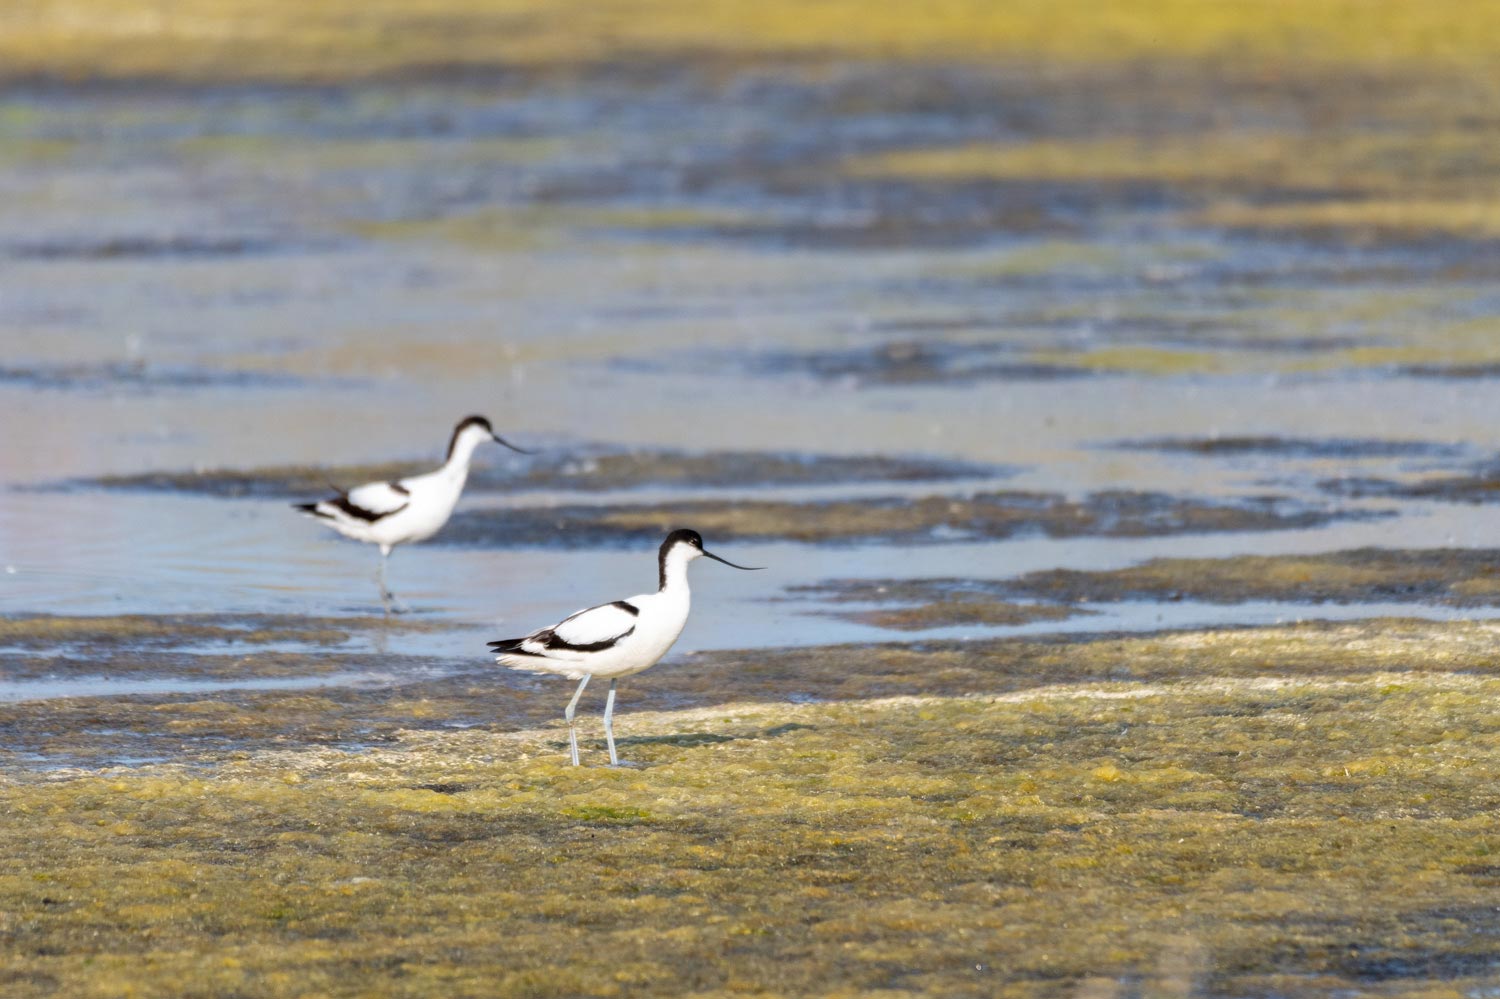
(238, 278)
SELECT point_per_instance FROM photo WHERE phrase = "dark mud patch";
(1292, 447)
(146, 248)
(69, 674)
(1456, 372)
(212, 727)
(404, 693)
(913, 362)
(1457, 577)
(1481, 485)
(154, 632)
(933, 603)
(141, 376)
(1445, 942)
(924, 519)
(893, 364)
(588, 468)
(951, 612)
(874, 214)
(98, 731)
(1446, 577)
(1104, 322)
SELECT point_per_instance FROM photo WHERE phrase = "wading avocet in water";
(411, 509)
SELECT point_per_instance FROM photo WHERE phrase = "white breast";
(433, 497)
(663, 616)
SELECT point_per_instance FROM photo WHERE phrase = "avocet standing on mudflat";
(613, 640)
(412, 509)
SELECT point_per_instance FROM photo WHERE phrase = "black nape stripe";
(680, 536)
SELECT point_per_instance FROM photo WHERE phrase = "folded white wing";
(380, 498)
(593, 629)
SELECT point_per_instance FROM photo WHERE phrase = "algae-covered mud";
(1309, 815)
(52, 655)
(1477, 485)
(907, 519)
(46, 632)
(1455, 578)
(1232, 447)
(1107, 390)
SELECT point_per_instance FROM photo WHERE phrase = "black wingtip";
(306, 507)
(513, 647)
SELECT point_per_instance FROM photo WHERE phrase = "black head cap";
(474, 421)
(465, 424)
(682, 537)
(693, 540)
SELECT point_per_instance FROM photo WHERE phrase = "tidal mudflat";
(1026, 817)
(582, 468)
(1112, 408)
(909, 519)
(1429, 578)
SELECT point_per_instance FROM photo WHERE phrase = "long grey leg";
(386, 596)
(568, 714)
(609, 724)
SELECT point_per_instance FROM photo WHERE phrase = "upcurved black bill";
(727, 562)
(518, 450)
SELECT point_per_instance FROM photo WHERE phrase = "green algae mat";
(1294, 811)
(342, 39)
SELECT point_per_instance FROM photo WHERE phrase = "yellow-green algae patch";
(1011, 664)
(1419, 173)
(1368, 220)
(1402, 331)
(1237, 832)
(1147, 360)
(1454, 576)
(344, 39)
(364, 152)
(1366, 162)
(1415, 344)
